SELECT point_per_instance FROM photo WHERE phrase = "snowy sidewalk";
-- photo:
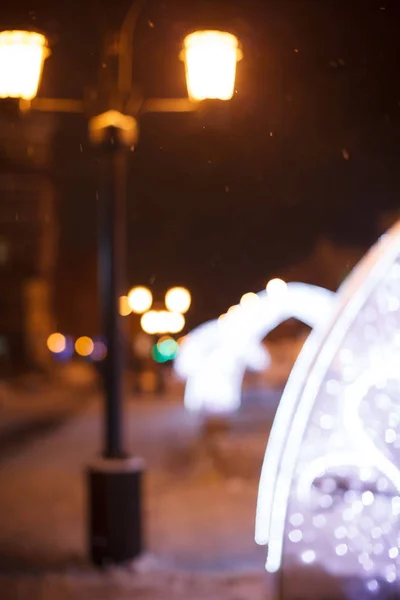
(199, 520)
(28, 413)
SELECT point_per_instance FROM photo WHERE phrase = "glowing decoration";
(22, 54)
(215, 356)
(84, 346)
(56, 343)
(140, 299)
(332, 467)
(124, 308)
(178, 300)
(210, 58)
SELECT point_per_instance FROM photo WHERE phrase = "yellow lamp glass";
(210, 59)
(22, 54)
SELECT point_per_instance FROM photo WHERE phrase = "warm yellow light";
(276, 287)
(124, 308)
(248, 298)
(175, 322)
(162, 321)
(56, 343)
(210, 59)
(150, 322)
(22, 54)
(84, 346)
(140, 299)
(178, 300)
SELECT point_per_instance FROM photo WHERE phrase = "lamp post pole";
(114, 481)
(111, 273)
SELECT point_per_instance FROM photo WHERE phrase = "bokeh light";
(162, 321)
(276, 287)
(178, 300)
(150, 322)
(176, 322)
(99, 350)
(124, 308)
(140, 299)
(84, 346)
(165, 349)
(249, 298)
(56, 343)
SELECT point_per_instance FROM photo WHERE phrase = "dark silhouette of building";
(28, 235)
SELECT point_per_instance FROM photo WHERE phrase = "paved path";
(199, 515)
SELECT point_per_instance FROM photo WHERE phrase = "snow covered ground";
(200, 500)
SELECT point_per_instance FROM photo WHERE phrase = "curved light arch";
(214, 357)
(369, 295)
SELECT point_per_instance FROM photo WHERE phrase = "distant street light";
(149, 322)
(140, 299)
(84, 346)
(162, 321)
(176, 323)
(114, 108)
(178, 300)
(124, 307)
(56, 343)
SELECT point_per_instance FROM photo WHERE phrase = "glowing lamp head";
(140, 299)
(22, 55)
(178, 300)
(210, 60)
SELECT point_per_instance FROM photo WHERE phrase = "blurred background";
(295, 178)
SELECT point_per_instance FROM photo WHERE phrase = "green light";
(165, 349)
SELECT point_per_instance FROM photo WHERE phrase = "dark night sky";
(221, 200)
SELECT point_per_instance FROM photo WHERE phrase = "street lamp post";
(115, 523)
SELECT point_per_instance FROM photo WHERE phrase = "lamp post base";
(115, 510)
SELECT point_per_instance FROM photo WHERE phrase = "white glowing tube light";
(329, 492)
(215, 356)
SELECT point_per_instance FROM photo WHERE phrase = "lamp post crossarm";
(169, 105)
(62, 105)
